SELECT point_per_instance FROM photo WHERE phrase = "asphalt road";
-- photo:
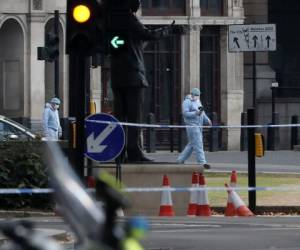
(213, 233)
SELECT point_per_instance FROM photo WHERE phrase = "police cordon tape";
(153, 189)
(26, 190)
(145, 125)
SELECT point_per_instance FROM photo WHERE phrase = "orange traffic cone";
(90, 182)
(203, 208)
(233, 178)
(192, 208)
(239, 205)
(166, 205)
(230, 210)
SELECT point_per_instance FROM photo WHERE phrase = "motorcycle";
(94, 226)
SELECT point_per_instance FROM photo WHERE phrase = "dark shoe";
(206, 166)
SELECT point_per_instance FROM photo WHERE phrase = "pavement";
(282, 161)
(45, 224)
(62, 237)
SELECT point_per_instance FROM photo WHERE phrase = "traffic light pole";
(251, 160)
(78, 80)
(83, 18)
(56, 61)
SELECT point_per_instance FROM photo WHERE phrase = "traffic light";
(117, 30)
(52, 46)
(51, 50)
(84, 24)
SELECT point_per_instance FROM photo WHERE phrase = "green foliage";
(21, 166)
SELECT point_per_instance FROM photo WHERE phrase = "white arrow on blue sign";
(104, 141)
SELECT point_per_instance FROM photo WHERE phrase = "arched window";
(12, 69)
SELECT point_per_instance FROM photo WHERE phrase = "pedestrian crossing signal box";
(259, 145)
(117, 30)
(51, 50)
(117, 42)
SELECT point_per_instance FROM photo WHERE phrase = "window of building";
(162, 97)
(162, 61)
(211, 7)
(210, 68)
(163, 7)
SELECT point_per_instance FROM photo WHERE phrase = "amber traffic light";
(82, 26)
(81, 13)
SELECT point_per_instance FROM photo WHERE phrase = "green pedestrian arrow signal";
(115, 42)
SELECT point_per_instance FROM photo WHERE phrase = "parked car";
(11, 130)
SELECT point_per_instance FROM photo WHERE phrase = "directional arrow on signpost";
(236, 41)
(94, 144)
(115, 42)
(255, 40)
(268, 38)
(104, 141)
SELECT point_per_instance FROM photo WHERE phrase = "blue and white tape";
(156, 189)
(144, 125)
(26, 190)
(215, 189)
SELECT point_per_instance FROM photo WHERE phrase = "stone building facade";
(175, 66)
(27, 83)
(280, 66)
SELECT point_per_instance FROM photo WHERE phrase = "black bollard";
(214, 134)
(181, 132)
(273, 134)
(244, 137)
(72, 139)
(294, 132)
(251, 160)
(151, 139)
(64, 122)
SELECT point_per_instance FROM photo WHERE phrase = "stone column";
(191, 59)
(36, 25)
(64, 79)
(191, 50)
(96, 87)
(232, 91)
(195, 10)
(237, 8)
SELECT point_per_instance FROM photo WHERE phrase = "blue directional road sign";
(104, 141)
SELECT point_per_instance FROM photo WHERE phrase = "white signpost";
(252, 37)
